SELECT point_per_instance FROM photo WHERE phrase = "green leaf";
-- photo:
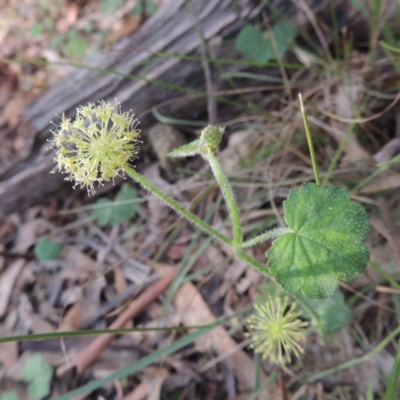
(38, 373)
(39, 388)
(326, 243)
(9, 395)
(36, 29)
(333, 311)
(110, 6)
(285, 33)
(125, 206)
(102, 211)
(261, 48)
(76, 45)
(149, 8)
(47, 249)
(57, 42)
(187, 150)
(252, 43)
(122, 209)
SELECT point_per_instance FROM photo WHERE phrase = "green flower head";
(277, 331)
(97, 145)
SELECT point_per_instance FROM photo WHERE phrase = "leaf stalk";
(310, 142)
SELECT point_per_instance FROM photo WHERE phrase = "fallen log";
(136, 73)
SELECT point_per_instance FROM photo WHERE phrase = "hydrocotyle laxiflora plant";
(322, 242)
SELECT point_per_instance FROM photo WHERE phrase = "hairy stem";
(273, 233)
(175, 206)
(195, 220)
(229, 197)
(252, 261)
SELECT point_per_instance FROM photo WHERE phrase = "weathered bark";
(178, 29)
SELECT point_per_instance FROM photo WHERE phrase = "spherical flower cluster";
(277, 331)
(97, 145)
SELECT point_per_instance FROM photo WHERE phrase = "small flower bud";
(97, 145)
(210, 139)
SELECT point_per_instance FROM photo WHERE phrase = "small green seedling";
(333, 313)
(260, 47)
(47, 249)
(38, 374)
(123, 208)
(9, 395)
(146, 8)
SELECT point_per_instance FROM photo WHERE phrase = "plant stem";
(252, 261)
(310, 142)
(175, 206)
(229, 197)
(368, 179)
(273, 233)
(387, 276)
(355, 361)
(394, 376)
(303, 300)
(192, 218)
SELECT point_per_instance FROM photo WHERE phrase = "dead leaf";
(194, 311)
(392, 237)
(158, 209)
(7, 229)
(40, 325)
(64, 24)
(348, 96)
(347, 104)
(391, 148)
(7, 281)
(164, 139)
(251, 278)
(28, 234)
(139, 393)
(129, 25)
(92, 352)
(91, 299)
(231, 276)
(177, 251)
(119, 279)
(72, 319)
(79, 260)
(240, 145)
(121, 286)
(150, 387)
(8, 354)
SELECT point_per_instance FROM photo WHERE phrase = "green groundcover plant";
(323, 240)
(322, 243)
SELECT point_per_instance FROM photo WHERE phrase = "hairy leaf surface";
(327, 242)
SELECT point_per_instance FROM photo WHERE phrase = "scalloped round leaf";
(333, 312)
(326, 243)
(47, 249)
